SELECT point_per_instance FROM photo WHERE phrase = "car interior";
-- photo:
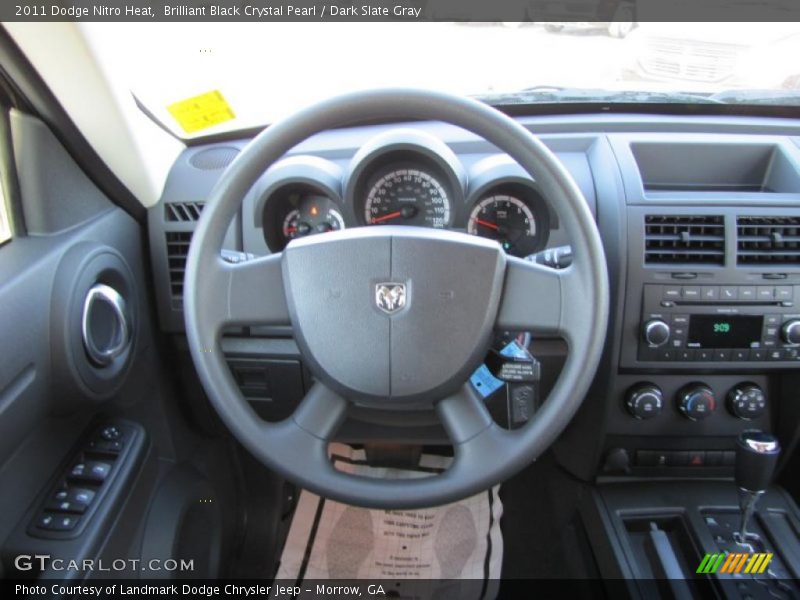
(566, 337)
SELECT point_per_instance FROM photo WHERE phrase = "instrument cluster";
(404, 177)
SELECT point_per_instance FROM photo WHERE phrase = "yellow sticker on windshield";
(200, 112)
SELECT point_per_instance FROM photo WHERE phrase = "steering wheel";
(396, 318)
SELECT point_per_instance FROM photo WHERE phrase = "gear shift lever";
(756, 456)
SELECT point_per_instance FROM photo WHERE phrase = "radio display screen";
(715, 331)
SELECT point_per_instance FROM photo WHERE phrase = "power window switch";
(54, 522)
(75, 500)
(81, 496)
(78, 470)
(64, 506)
(97, 470)
(91, 470)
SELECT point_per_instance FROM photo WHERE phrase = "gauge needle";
(487, 224)
(393, 215)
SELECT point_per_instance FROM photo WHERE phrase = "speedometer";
(507, 219)
(407, 196)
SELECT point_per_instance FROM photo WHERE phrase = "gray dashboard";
(694, 206)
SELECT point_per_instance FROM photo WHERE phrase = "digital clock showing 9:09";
(713, 331)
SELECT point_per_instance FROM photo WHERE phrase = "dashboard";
(699, 218)
(401, 177)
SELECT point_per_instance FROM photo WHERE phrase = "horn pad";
(393, 314)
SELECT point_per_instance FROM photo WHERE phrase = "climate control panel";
(696, 401)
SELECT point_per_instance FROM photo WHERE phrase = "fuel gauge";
(297, 213)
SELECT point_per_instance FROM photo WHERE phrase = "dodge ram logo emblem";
(390, 297)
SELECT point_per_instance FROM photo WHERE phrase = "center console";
(707, 339)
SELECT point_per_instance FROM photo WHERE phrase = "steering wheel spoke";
(321, 412)
(246, 293)
(463, 415)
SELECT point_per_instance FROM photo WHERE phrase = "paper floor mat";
(329, 540)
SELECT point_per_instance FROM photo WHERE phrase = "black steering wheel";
(396, 318)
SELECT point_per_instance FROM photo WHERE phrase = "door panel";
(55, 399)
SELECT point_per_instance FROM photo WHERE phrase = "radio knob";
(790, 331)
(747, 401)
(656, 333)
(644, 401)
(696, 401)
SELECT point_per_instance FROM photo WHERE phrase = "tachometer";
(407, 196)
(507, 219)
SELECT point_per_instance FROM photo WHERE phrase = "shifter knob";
(756, 456)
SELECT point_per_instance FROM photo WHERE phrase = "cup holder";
(105, 327)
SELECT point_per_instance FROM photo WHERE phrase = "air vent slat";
(177, 250)
(767, 240)
(183, 212)
(684, 239)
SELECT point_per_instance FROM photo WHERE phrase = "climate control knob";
(656, 333)
(790, 331)
(747, 401)
(696, 401)
(644, 401)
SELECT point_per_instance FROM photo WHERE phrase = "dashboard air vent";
(684, 239)
(184, 212)
(177, 250)
(768, 240)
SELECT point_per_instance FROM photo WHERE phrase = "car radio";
(720, 323)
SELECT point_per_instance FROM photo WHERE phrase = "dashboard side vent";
(183, 212)
(177, 250)
(768, 240)
(684, 239)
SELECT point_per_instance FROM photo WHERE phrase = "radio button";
(728, 292)
(722, 355)
(671, 292)
(704, 355)
(740, 355)
(685, 355)
(775, 354)
(680, 320)
(666, 354)
(710, 293)
(765, 292)
(747, 292)
(691, 292)
(784, 292)
(791, 354)
(758, 354)
(772, 320)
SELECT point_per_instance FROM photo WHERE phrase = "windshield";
(262, 71)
